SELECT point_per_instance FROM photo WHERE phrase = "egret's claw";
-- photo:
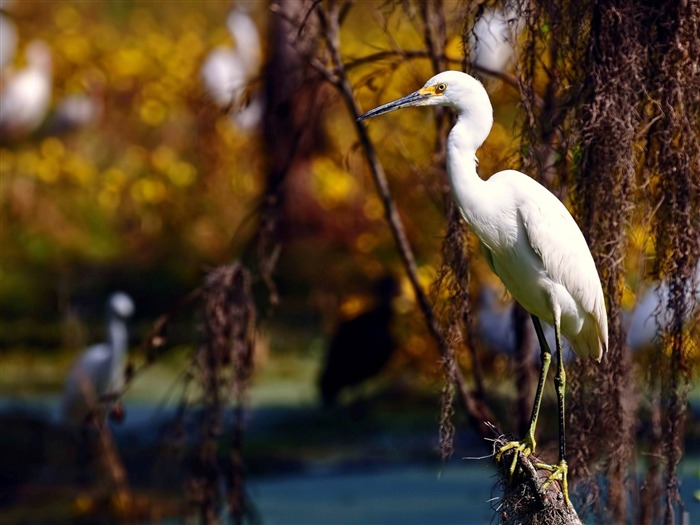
(526, 446)
(558, 472)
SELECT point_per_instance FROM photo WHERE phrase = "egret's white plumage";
(224, 76)
(528, 237)
(245, 33)
(26, 94)
(99, 371)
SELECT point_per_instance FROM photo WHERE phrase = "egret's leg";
(527, 445)
(546, 358)
(560, 470)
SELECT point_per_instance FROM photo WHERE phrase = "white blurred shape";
(245, 33)
(227, 71)
(26, 94)
(651, 316)
(76, 111)
(492, 40)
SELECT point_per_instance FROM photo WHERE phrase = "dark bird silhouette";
(361, 346)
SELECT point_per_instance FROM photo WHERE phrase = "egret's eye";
(440, 87)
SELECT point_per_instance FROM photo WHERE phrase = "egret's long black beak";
(417, 98)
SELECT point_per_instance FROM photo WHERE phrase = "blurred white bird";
(651, 316)
(99, 371)
(227, 71)
(491, 42)
(26, 94)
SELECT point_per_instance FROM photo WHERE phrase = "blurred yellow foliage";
(373, 208)
(153, 112)
(160, 174)
(332, 185)
(148, 190)
(52, 147)
(352, 306)
(366, 242)
(128, 62)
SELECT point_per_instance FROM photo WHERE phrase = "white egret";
(99, 371)
(529, 239)
(227, 71)
(26, 94)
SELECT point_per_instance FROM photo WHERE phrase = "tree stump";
(523, 501)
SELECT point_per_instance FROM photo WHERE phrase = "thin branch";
(414, 54)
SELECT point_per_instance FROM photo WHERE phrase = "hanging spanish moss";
(608, 119)
(672, 170)
(571, 138)
(550, 68)
(452, 282)
(224, 365)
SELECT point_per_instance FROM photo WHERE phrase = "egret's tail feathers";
(590, 342)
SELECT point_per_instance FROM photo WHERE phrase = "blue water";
(459, 492)
(399, 495)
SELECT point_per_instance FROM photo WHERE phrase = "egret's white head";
(454, 89)
(121, 305)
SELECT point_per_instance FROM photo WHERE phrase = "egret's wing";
(85, 383)
(92, 369)
(557, 240)
(488, 256)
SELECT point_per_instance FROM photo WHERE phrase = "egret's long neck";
(118, 338)
(468, 188)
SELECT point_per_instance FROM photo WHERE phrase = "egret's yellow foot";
(526, 446)
(559, 473)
